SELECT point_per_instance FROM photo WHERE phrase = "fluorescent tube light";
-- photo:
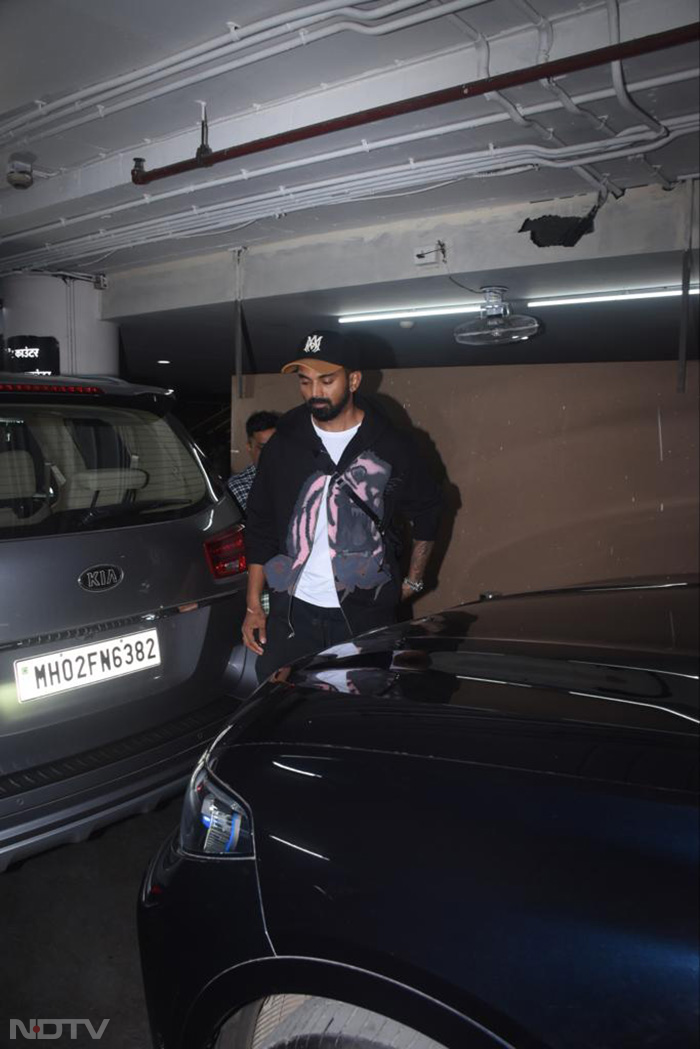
(162, 362)
(408, 313)
(451, 308)
(615, 296)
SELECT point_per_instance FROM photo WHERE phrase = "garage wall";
(480, 241)
(554, 474)
(68, 310)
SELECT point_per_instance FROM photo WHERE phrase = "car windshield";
(71, 468)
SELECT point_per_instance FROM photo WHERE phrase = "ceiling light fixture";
(162, 362)
(451, 308)
(615, 296)
(408, 313)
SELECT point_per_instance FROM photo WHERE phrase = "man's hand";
(407, 593)
(255, 620)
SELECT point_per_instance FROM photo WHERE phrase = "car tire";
(239, 1030)
(320, 1023)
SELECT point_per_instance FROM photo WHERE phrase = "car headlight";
(213, 822)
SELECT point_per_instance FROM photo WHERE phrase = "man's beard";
(324, 411)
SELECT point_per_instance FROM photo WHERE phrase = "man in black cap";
(322, 513)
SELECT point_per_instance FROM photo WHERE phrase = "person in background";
(323, 514)
(259, 429)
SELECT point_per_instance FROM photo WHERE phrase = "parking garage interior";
(187, 191)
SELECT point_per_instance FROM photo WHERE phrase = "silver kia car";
(122, 592)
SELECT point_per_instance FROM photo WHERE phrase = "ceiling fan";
(495, 324)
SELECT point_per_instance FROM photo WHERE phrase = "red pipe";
(574, 63)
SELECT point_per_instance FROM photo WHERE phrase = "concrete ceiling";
(82, 95)
(332, 224)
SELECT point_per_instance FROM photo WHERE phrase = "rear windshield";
(66, 468)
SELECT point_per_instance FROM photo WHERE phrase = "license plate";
(77, 667)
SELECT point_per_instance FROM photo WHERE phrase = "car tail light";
(226, 553)
(40, 387)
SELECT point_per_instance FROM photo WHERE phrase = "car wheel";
(239, 1030)
(298, 1022)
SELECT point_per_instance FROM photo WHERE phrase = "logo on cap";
(313, 344)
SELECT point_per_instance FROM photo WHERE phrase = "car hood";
(553, 680)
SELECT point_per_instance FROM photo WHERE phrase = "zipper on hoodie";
(334, 478)
(292, 631)
(336, 472)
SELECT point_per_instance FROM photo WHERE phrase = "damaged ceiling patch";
(550, 231)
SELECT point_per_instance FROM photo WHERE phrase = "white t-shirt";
(316, 583)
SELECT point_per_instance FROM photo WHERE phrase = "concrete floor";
(68, 945)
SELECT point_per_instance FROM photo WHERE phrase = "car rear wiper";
(118, 511)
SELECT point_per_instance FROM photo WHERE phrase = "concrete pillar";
(68, 310)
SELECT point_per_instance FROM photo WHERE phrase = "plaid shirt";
(239, 485)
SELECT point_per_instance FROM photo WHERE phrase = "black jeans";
(312, 629)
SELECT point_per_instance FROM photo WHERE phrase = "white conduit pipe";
(480, 42)
(486, 160)
(105, 250)
(571, 106)
(345, 189)
(618, 75)
(347, 151)
(546, 32)
(545, 29)
(546, 38)
(90, 250)
(600, 125)
(206, 48)
(235, 39)
(301, 40)
(99, 110)
(232, 43)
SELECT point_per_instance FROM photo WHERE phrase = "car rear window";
(71, 468)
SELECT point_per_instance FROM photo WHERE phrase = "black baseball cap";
(324, 352)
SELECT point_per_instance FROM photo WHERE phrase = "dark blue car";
(478, 829)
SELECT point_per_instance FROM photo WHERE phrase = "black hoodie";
(380, 470)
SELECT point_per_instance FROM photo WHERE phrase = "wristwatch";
(416, 587)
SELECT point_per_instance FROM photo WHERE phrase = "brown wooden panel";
(554, 474)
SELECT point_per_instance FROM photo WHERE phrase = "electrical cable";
(410, 177)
